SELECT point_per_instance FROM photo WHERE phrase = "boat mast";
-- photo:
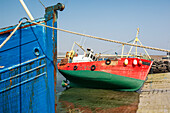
(26, 9)
(135, 42)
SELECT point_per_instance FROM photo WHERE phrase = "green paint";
(98, 79)
(146, 63)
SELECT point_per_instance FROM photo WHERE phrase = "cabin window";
(93, 57)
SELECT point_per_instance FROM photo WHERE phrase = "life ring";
(108, 61)
(93, 67)
(75, 67)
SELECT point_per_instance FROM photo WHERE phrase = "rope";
(6, 40)
(116, 46)
(99, 38)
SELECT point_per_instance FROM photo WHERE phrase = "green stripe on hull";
(98, 79)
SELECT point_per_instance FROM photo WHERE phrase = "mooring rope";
(113, 48)
(94, 37)
(6, 40)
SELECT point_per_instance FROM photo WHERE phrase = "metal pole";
(136, 49)
(122, 50)
(145, 51)
(137, 40)
(26, 9)
(131, 48)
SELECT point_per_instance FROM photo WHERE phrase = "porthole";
(36, 51)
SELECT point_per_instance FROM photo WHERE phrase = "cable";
(99, 38)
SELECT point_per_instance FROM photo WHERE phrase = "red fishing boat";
(123, 74)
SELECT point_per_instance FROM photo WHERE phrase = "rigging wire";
(42, 4)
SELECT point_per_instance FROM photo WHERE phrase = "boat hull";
(101, 80)
(28, 67)
(114, 76)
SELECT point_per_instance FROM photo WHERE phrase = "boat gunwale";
(23, 25)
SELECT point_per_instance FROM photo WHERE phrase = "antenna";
(42, 4)
(26, 9)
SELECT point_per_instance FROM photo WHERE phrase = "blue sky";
(112, 19)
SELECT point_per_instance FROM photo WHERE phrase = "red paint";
(116, 67)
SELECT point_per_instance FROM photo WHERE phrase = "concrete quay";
(155, 95)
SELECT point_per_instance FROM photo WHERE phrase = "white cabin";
(87, 57)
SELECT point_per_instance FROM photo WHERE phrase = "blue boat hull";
(28, 67)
